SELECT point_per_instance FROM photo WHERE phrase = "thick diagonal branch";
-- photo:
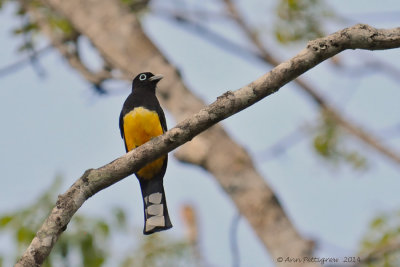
(366, 137)
(94, 180)
(118, 36)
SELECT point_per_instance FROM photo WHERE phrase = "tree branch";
(118, 36)
(263, 54)
(93, 180)
(13, 67)
(68, 48)
(366, 137)
(364, 68)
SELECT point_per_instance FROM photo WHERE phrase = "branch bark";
(93, 180)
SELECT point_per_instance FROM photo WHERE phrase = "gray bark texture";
(116, 33)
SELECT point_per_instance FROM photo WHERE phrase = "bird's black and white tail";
(156, 216)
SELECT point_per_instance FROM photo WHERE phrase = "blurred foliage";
(30, 27)
(157, 251)
(87, 240)
(381, 244)
(1, 6)
(136, 6)
(62, 25)
(299, 20)
(85, 237)
(328, 143)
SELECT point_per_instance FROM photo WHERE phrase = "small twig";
(252, 35)
(280, 146)
(199, 14)
(17, 65)
(391, 132)
(28, 43)
(211, 36)
(233, 240)
(371, 65)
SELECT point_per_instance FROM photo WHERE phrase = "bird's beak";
(156, 77)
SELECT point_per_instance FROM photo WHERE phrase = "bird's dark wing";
(121, 127)
(121, 123)
(161, 116)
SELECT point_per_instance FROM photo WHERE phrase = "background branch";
(371, 65)
(68, 48)
(5, 70)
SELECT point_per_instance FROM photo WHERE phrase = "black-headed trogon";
(140, 120)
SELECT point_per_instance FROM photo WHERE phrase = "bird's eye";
(142, 77)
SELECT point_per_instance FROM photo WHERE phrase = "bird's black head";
(146, 80)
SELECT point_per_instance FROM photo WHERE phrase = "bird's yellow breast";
(140, 125)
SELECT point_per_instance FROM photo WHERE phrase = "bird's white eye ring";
(142, 77)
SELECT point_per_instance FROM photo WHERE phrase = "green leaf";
(103, 228)
(25, 235)
(358, 161)
(62, 24)
(299, 20)
(26, 46)
(377, 222)
(29, 27)
(87, 238)
(64, 249)
(385, 238)
(120, 216)
(5, 220)
(321, 145)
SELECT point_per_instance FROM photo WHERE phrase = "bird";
(142, 119)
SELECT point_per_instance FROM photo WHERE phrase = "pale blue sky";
(57, 124)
